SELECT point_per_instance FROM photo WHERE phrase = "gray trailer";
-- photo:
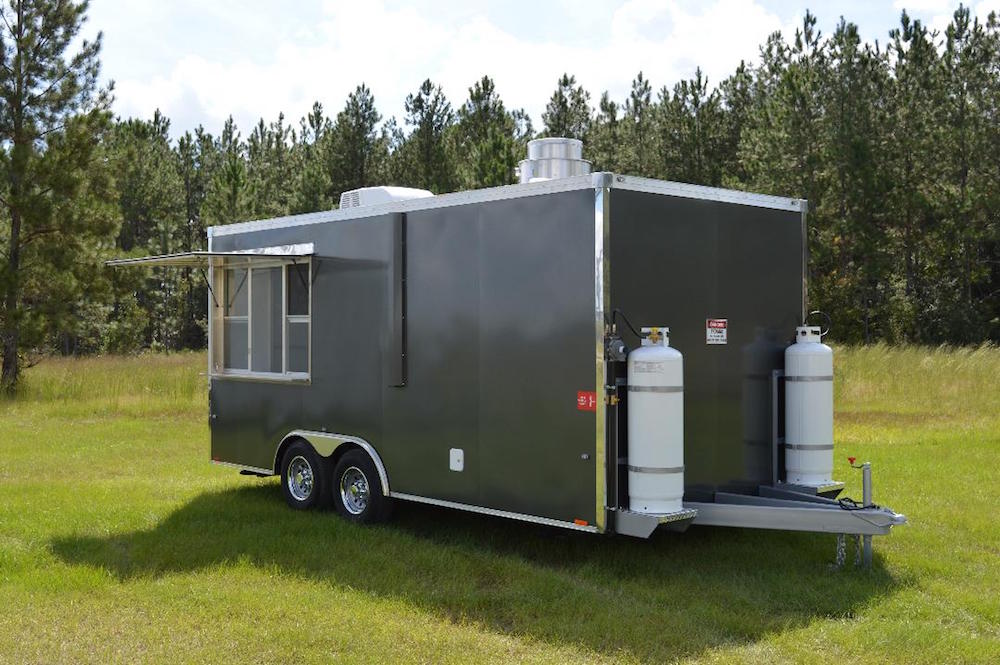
(468, 350)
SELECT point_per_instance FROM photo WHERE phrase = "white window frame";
(216, 338)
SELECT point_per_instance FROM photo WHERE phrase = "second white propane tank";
(655, 425)
(808, 409)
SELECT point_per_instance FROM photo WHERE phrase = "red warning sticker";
(586, 400)
(716, 331)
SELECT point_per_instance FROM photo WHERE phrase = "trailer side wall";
(499, 330)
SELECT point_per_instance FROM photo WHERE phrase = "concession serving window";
(259, 323)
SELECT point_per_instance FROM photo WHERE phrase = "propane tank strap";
(656, 389)
(809, 446)
(809, 378)
(656, 469)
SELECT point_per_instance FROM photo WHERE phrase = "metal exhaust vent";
(552, 158)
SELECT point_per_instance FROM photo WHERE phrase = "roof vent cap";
(369, 196)
(552, 158)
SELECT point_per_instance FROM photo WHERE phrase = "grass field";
(119, 542)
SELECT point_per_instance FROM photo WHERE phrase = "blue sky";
(200, 61)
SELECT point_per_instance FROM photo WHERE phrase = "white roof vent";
(369, 196)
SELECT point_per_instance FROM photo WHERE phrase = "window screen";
(298, 290)
(298, 346)
(265, 319)
(234, 323)
(297, 309)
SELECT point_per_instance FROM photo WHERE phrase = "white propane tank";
(655, 425)
(808, 409)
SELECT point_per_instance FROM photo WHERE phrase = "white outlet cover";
(456, 459)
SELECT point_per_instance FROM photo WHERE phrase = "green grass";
(119, 542)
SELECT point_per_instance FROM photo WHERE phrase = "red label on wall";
(716, 331)
(586, 400)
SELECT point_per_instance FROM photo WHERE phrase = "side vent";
(351, 199)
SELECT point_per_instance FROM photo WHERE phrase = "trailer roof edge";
(600, 179)
(683, 190)
(410, 205)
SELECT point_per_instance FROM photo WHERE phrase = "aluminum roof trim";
(599, 179)
(411, 205)
(683, 190)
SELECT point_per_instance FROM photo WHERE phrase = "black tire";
(305, 477)
(354, 469)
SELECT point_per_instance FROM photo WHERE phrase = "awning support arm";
(208, 283)
(302, 280)
(317, 262)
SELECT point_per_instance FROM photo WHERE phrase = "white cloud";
(926, 6)
(198, 63)
(937, 14)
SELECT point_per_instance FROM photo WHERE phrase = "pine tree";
(913, 164)
(568, 112)
(148, 184)
(987, 296)
(638, 151)
(313, 187)
(270, 164)
(782, 149)
(691, 127)
(230, 195)
(52, 194)
(195, 160)
(961, 269)
(421, 159)
(605, 146)
(353, 149)
(150, 194)
(739, 105)
(850, 246)
(487, 139)
(897, 150)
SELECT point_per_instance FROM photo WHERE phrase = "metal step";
(642, 525)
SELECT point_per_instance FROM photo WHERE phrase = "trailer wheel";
(357, 491)
(305, 477)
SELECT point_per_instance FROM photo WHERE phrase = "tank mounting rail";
(755, 512)
(829, 489)
(783, 491)
(642, 525)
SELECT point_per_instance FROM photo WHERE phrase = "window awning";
(246, 257)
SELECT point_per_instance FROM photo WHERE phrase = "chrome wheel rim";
(300, 478)
(354, 490)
